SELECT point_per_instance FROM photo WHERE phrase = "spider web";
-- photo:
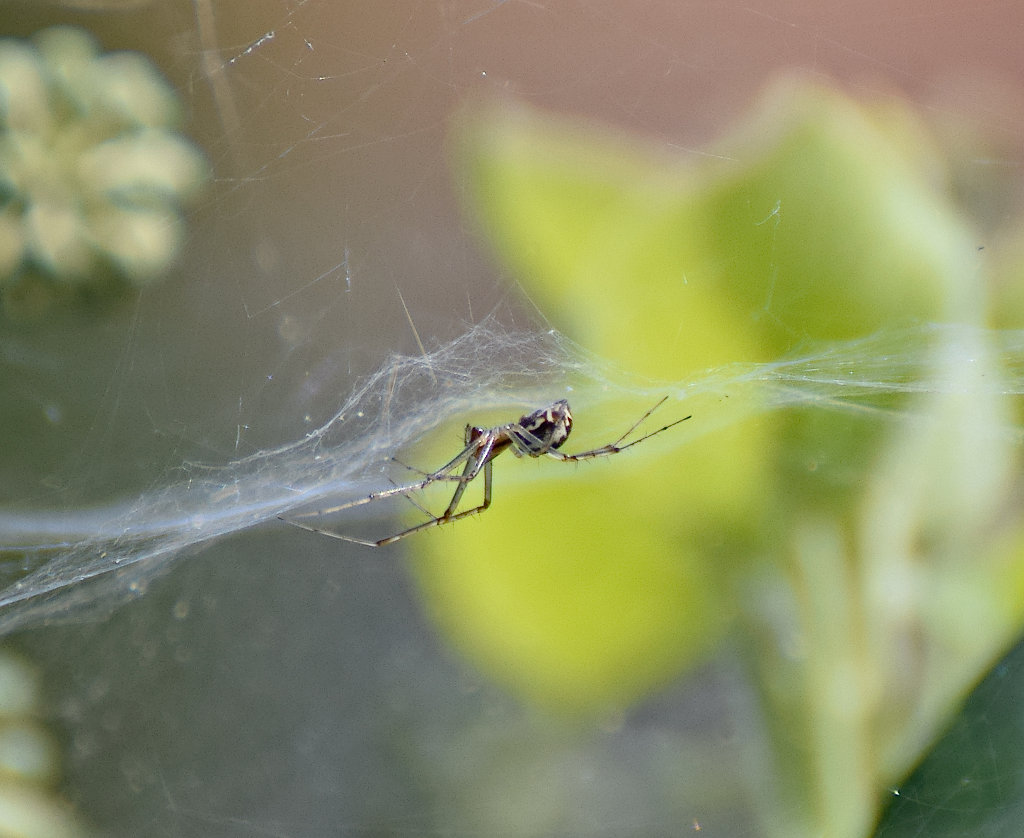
(333, 309)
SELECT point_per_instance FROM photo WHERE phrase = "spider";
(537, 434)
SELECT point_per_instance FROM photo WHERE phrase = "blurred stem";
(840, 693)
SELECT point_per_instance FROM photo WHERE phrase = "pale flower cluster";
(93, 173)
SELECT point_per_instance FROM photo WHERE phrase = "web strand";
(51, 563)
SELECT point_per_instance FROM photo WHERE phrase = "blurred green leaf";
(869, 560)
(972, 782)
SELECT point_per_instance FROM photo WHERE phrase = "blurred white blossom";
(29, 762)
(93, 174)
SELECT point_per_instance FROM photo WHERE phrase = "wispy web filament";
(54, 562)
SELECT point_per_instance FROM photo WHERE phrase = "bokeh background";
(276, 683)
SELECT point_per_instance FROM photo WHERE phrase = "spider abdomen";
(543, 430)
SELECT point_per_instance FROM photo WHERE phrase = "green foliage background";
(867, 561)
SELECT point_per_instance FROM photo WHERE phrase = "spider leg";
(643, 419)
(296, 518)
(482, 459)
(481, 449)
(478, 455)
(408, 467)
(445, 518)
(521, 444)
(469, 453)
(617, 446)
(419, 505)
(648, 436)
(404, 489)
